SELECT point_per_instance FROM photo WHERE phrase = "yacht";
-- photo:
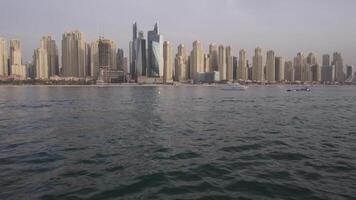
(234, 87)
(305, 89)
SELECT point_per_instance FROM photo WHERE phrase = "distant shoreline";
(162, 85)
(91, 82)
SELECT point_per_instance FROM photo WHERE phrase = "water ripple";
(178, 143)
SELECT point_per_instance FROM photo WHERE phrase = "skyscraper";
(249, 71)
(311, 59)
(326, 60)
(120, 59)
(339, 67)
(88, 60)
(134, 32)
(280, 70)
(131, 70)
(349, 71)
(73, 54)
(15, 52)
(257, 67)
(133, 51)
(300, 66)
(168, 62)
(242, 67)
(140, 55)
(103, 61)
(326, 69)
(189, 67)
(222, 63)
(181, 71)
(16, 67)
(206, 63)
(3, 58)
(50, 46)
(107, 54)
(229, 64)
(270, 67)
(289, 71)
(213, 57)
(155, 53)
(125, 66)
(40, 60)
(235, 66)
(313, 68)
(94, 59)
(30, 71)
(196, 60)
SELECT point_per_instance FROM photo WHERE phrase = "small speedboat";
(306, 89)
(235, 87)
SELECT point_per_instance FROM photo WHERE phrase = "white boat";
(100, 82)
(234, 87)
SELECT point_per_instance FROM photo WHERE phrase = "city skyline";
(102, 61)
(240, 24)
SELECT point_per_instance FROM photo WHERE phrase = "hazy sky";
(286, 26)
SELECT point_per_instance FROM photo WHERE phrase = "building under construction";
(108, 70)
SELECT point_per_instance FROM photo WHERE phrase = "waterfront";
(166, 142)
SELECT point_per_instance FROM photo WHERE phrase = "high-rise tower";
(222, 62)
(40, 61)
(229, 64)
(339, 67)
(3, 58)
(16, 67)
(155, 53)
(50, 46)
(213, 57)
(313, 69)
(168, 62)
(300, 66)
(120, 59)
(181, 71)
(289, 71)
(196, 60)
(242, 67)
(141, 58)
(73, 54)
(280, 70)
(270, 67)
(257, 67)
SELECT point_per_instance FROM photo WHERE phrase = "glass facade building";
(155, 53)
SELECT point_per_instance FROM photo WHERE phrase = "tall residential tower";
(257, 66)
(168, 62)
(73, 54)
(50, 46)
(16, 68)
(196, 60)
(3, 58)
(242, 67)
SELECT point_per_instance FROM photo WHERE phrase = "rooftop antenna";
(101, 35)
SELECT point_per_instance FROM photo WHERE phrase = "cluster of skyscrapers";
(80, 60)
(152, 61)
(11, 64)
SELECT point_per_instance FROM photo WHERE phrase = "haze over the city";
(286, 26)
